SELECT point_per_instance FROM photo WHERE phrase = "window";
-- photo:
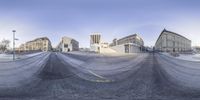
(65, 45)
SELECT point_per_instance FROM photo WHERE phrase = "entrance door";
(174, 50)
(126, 48)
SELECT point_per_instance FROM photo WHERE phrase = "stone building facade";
(129, 44)
(39, 44)
(95, 42)
(68, 44)
(172, 42)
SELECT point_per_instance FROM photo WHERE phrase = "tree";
(4, 45)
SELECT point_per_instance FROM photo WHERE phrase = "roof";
(95, 33)
(130, 36)
(172, 33)
(65, 37)
(42, 38)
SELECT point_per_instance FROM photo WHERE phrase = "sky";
(112, 18)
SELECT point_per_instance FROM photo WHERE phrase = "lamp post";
(14, 44)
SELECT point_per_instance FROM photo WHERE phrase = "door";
(126, 48)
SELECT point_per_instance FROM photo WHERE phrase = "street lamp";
(14, 44)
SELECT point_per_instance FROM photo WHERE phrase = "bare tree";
(4, 45)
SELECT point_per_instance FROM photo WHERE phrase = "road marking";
(103, 79)
(95, 74)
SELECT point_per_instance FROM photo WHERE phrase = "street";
(59, 80)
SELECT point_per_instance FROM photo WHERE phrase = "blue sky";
(113, 18)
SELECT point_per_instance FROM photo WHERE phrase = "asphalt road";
(59, 81)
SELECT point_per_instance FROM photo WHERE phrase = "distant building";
(114, 43)
(68, 44)
(196, 49)
(95, 42)
(129, 44)
(131, 39)
(104, 45)
(21, 48)
(99, 46)
(39, 44)
(172, 42)
(84, 49)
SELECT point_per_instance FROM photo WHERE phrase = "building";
(172, 42)
(196, 49)
(68, 44)
(104, 45)
(39, 44)
(114, 42)
(21, 48)
(99, 46)
(129, 44)
(95, 42)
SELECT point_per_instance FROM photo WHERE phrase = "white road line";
(99, 76)
(91, 72)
